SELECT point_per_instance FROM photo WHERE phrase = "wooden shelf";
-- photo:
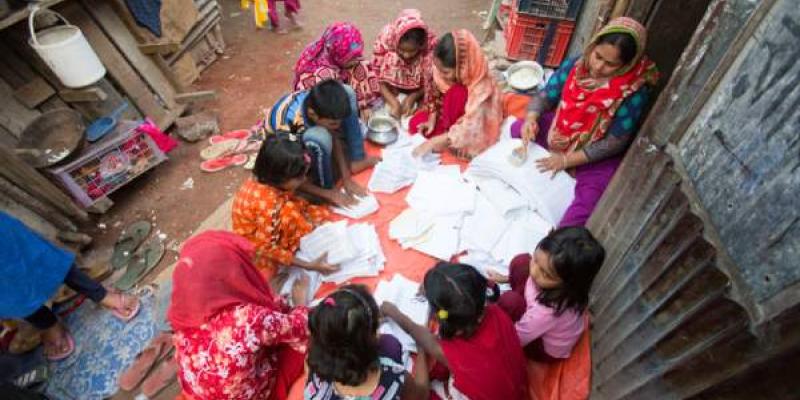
(22, 13)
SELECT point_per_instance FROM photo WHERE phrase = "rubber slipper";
(66, 353)
(218, 164)
(128, 241)
(239, 134)
(143, 363)
(147, 257)
(220, 149)
(162, 377)
(119, 312)
(35, 376)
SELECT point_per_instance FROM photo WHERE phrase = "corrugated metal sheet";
(679, 309)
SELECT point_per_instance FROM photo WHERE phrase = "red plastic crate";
(541, 39)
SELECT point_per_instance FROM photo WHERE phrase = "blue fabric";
(147, 14)
(104, 347)
(31, 268)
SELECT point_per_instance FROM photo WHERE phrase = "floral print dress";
(234, 355)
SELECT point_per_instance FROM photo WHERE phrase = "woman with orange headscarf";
(463, 104)
(598, 101)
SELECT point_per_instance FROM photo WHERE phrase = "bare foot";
(56, 342)
(358, 166)
(280, 31)
(296, 25)
(122, 305)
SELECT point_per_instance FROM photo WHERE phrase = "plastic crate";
(564, 9)
(109, 164)
(541, 39)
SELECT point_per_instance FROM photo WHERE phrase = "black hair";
(576, 256)
(344, 340)
(416, 35)
(446, 50)
(329, 100)
(622, 41)
(461, 291)
(282, 157)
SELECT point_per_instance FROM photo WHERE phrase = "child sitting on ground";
(476, 344)
(326, 117)
(348, 360)
(267, 212)
(550, 292)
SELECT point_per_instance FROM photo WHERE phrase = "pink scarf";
(393, 69)
(340, 43)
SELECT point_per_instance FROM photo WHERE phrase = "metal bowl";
(51, 138)
(382, 130)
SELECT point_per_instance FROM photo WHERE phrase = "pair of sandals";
(153, 369)
(138, 255)
(229, 149)
(125, 312)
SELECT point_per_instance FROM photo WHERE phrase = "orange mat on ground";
(563, 381)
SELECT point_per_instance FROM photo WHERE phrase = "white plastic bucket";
(65, 50)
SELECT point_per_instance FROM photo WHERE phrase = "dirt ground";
(254, 71)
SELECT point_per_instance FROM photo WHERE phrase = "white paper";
(398, 167)
(368, 260)
(442, 240)
(483, 227)
(409, 224)
(442, 191)
(314, 282)
(330, 238)
(403, 293)
(366, 205)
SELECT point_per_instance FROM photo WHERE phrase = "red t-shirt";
(490, 364)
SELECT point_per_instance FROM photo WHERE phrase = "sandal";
(145, 259)
(161, 377)
(218, 164)
(127, 243)
(144, 362)
(66, 352)
(32, 377)
(239, 134)
(120, 311)
(220, 149)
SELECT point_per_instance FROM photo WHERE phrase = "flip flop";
(147, 257)
(66, 353)
(32, 377)
(161, 377)
(144, 362)
(128, 241)
(119, 313)
(239, 134)
(218, 164)
(220, 149)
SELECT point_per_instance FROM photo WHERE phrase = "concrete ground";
(254, 71)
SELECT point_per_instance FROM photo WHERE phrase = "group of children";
(312, 140)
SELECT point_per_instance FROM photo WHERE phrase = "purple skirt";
(591, 179)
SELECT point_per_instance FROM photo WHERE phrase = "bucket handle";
(31, 20)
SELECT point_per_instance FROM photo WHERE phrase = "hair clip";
(442, 314)
(330, 301)
(292, 137)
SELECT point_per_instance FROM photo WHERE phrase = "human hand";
(342, 199)
(353, 188)
(530, 128)
(300, 290)
(496, 276)
(423, 149)
(395, 108)
(554, 162)
(388, 309)
(408, 106)
(322, 266)
(366, 114)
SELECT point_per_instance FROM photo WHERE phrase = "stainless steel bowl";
(382, 130)
(382, 138)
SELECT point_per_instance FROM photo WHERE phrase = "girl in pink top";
(550, 291)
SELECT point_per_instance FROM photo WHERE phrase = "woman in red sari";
(234, 338)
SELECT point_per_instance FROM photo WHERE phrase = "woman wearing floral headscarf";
(402, 56)
(598, 100)
(338, 54)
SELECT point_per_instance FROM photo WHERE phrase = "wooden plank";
(83, 95)
(22, 14)
(159, 48)
(45, 211)
(34, 93)
(14, 116)
(116, 64)
(113, 26)
(194, 97)
(209, 14)
(29, 180)
(199, 40)
(177, 19)
(186, 70)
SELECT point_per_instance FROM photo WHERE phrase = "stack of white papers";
(366, 205)
(398, 167)
(356, 249)
(546, 194)
(295, 273)
(403, 293)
